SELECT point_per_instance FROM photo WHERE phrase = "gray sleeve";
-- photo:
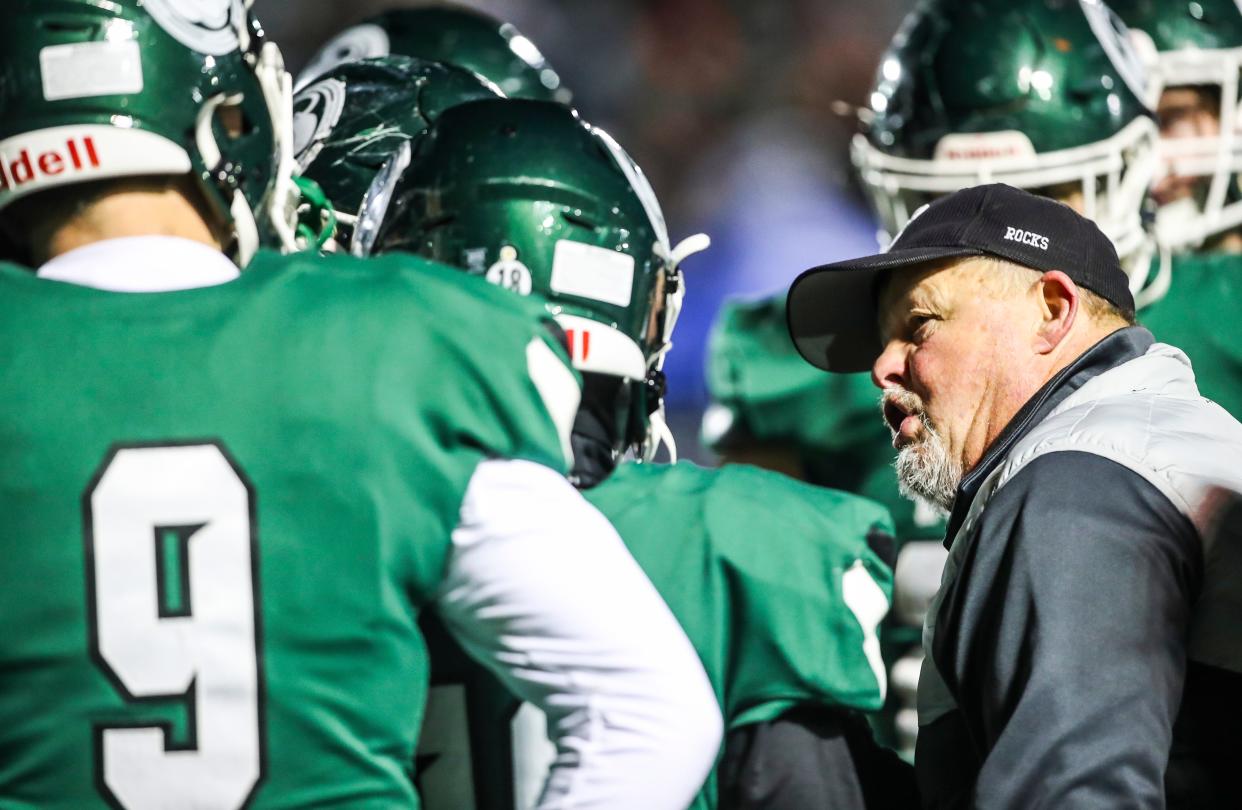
(1069, 638)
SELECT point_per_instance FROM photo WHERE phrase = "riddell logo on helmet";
(981, 150)
(1026, 237)
(78, 155)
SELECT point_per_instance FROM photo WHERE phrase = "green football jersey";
(1204, 298)
(222, 511)
(764, 394)
(774, 582)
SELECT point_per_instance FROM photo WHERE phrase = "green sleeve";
(1205, 295)
(754, 565)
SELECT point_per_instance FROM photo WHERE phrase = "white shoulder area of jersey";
(540, 589)
(142, 264)
(559, 389)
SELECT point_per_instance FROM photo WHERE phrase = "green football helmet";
(532, 198)
(495, 50)
(1197, 44)
(1046, 95)
(355, 128)
(129, 88)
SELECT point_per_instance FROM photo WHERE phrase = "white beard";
(926, 471)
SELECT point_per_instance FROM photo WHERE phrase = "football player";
(1044, 95)
(1199, 57)
(227, 498)
(770, 409)
(780, 585)
(462, 36)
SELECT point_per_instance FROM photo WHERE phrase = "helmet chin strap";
(283, 197)
(245, 228)
(659, 432)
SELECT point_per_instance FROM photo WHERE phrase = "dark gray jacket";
(1089, 580)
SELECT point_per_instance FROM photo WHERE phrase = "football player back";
(777, 583)
(228, 498)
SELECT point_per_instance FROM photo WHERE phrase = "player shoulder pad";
(497, 361)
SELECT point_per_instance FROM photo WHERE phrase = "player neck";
(1227, 242)
(127, 213)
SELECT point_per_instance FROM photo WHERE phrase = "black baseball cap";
(832, 308)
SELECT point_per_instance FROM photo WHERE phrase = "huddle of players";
(1137, 128)
(410, 135)
(443, 133)
(1131, 126)
(297, 494)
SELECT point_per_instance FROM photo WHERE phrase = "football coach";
(1088, 625)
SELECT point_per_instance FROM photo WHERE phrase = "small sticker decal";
(207, 26)
(90, 69)
(510, 273)
(593, 272)
(476, 260)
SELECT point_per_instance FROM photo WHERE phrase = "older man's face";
(952, 369)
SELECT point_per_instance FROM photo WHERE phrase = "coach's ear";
(1058, 300)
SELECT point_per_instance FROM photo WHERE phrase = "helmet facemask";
(1107, 181)
(1194, 54)
(1048, 96)
(1215, 205)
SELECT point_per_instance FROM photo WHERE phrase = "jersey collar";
(142, 264)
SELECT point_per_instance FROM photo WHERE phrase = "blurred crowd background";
(740, 111)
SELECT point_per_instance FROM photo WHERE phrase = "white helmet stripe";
(601, 349)
(47, 158)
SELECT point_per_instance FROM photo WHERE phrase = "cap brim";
(831, 309)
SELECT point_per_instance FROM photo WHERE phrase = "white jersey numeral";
(170, 545)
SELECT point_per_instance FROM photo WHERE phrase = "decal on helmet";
(984, 146)
(316, 112)
(638, 181)
(207, 26)
(90, 69)
(1115, 38)
(592, 272)
(46, 158)
(510, 273)
(602, 349)
(366, 41)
